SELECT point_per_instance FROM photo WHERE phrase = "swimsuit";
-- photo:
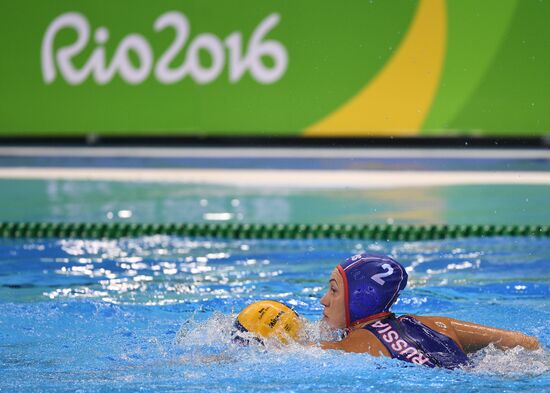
(372, 283)
(408, 339)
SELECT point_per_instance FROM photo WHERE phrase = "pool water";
(155, 313)
(166, 202)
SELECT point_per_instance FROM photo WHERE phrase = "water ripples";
(165, 270)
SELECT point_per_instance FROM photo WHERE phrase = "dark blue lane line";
(343, 163)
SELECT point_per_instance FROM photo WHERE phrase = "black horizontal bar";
(280, 141)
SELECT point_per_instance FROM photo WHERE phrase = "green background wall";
(491, 77)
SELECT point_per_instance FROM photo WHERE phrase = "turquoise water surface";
(155, 314)
(161, 202)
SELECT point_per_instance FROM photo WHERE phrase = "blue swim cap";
(371, 284)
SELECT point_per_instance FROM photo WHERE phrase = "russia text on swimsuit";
(392, 338)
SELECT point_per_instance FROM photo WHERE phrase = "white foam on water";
(210, 341)
(215, 331)
(514, 362)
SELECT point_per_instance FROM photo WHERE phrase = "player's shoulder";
(435, 321)
(363, 341)
(443, 325)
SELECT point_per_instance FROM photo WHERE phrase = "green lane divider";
(20, 230)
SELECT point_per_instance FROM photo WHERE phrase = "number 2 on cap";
(378, 277)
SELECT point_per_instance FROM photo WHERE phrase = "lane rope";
(39, 230)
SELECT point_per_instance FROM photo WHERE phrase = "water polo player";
(361, 291)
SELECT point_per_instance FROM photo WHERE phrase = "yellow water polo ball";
(270, 319)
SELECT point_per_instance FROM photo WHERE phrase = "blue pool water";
(154, 314)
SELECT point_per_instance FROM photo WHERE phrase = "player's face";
(334, 301)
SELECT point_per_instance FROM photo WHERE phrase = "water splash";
(210, 341)
(214, 332)
(513, 363)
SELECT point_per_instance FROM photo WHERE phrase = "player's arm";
(473, 337)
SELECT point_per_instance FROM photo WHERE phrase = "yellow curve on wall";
(398, 99)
